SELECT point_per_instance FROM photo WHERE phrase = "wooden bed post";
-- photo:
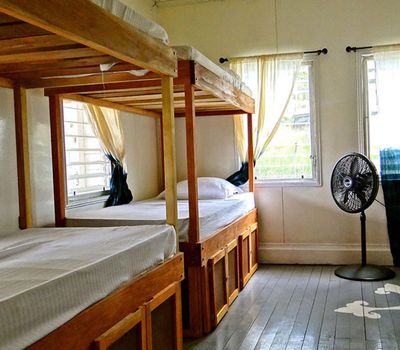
(194, 229)
(162, 153)
(23, 166)
(58, 155)
(168, 123)
(250, 151)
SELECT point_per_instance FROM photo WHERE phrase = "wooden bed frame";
(56, 44)
(197, 92)
(41, 46)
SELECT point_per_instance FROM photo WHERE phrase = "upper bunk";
(216, 91)
(80, 43)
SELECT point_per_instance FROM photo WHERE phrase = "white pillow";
(208, 188)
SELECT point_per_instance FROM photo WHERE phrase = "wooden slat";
(207, 113)
(23, 163)
(4, 19)
(194, 226)
(48, 71)
(250, 151)
(57, 152)
(168, 123)
(79, 332)
(123, 41)
(20, 29)
(121, 328)
(6, 83)
(50, 65)
(47, 55)
(95, 88)
(30, 43)
(92, 79)
(112, 105)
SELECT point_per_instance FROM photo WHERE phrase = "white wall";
(142, 150)
(141, 156)
(299, 224)
(8, 165)
(215, 150)
(40, 158)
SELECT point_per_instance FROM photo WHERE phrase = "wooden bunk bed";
(42, 43)
(220, 265)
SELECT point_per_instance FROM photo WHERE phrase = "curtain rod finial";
(223, 60)
(349, 49)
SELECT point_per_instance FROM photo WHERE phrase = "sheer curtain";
(271, 79)
(386, 133)
(106, 125)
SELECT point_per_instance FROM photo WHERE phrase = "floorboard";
(292, 307)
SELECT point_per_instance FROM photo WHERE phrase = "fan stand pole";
(363, 240)
(364, 272)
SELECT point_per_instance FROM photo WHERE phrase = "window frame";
(316, 181)
(363, 101)
(84, 199)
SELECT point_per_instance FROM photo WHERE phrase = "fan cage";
(354, 183)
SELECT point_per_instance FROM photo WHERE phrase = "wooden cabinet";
(223, 270)
(155, 325)
(248, 243)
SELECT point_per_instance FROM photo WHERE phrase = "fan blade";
(361, 198)
(346, 197)
(354, 166)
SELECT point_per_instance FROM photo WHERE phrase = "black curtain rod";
(354, 48)
(318, 52)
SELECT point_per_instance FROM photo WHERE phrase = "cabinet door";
(129, 333)
(232, 251)
(244, 257)
(253, 248)
(218, 267)
(164, 319)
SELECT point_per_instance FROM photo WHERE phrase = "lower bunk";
(216, 270)
(91, 288)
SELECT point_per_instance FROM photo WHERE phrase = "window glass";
(88, 169)
(291, 155)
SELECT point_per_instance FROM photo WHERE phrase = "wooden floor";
(293, 307)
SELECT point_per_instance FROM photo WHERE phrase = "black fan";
(354, 186)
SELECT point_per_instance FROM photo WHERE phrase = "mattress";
(190, 53)
(129, 15)
(47, 276)
(214, 214)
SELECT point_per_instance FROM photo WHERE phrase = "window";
(292, 155)
(379, 77)
(88, 169)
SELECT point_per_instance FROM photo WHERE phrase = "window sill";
(84, 202)
(288, 183)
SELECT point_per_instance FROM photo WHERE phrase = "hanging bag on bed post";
(119, 191)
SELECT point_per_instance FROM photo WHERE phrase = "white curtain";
(106, 125)
(271, 79)
(387, 124)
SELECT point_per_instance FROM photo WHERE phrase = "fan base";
(364, 273)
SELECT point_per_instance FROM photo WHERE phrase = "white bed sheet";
(190, 53)
(47, 276)
(214, 214)
(131, 17)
